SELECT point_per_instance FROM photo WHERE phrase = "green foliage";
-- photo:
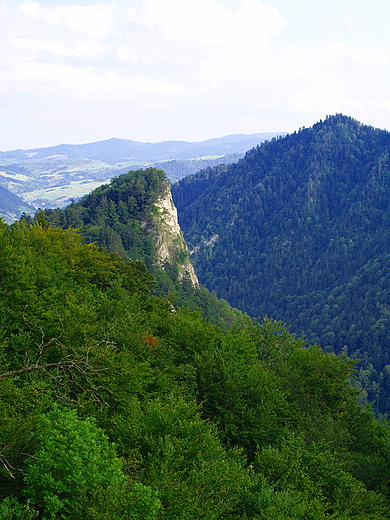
(12, 509)
(195, 476)
(19, 407)
(314, 471)
(75, 473)
(215, 310)
(118, 215)
(144, 502)
(266, 503)
(73, 458)
(246, 400)
(239, 423)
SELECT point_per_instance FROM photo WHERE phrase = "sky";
(79, 71)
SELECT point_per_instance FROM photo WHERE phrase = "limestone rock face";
(171, 247)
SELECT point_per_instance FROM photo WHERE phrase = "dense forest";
(299, 230)
(117, 405)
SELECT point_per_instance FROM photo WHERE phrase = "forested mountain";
(299, 230)
(134, 216)
(114, 405)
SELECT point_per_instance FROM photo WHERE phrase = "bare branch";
(60, 364)
(7, 466)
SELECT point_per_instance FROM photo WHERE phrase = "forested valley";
(127, 392)
(299, 230)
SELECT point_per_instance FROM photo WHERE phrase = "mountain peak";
(134, 216)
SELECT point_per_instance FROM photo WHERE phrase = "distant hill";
(54, 176)
(299, 230)
(115, 150)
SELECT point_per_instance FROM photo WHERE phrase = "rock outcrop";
(171, 248)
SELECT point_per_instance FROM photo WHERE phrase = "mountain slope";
(12, 206)
(299, 230)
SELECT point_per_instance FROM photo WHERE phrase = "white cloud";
(184, 20)
(94, 22)
(86, 82)
(347, 23)
(317, 96)
(168, 42)
(28, 47)
(32, 9)
(208, 21)
(256, 23)
(78, 31)
(341, 51)
(340, 25)
(123, 53)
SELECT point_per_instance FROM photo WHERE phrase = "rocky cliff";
(171, 247)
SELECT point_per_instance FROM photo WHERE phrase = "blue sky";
(152, 70)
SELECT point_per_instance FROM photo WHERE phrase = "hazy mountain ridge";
(300, 232)
(116, 150)
(54, 176)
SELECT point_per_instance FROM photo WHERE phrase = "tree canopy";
(115, 404)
